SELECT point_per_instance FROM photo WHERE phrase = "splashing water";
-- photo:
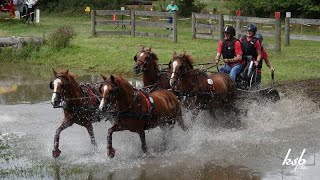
(206, 150)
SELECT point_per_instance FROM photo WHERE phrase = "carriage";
(248, 85)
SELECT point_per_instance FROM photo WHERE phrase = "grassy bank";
(114, 54)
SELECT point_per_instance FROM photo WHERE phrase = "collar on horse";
(128, 113)
(211, 87)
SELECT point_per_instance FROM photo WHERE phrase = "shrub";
(61, 38)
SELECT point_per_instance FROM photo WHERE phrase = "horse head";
(59, 84)
(108, 91)
(145, 60)
(180, 65)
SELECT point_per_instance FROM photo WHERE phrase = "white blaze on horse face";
(174, 65)
(105, 88)
(55, 86)
(141, 54)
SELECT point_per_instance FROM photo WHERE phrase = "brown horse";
(211, 91)
(79, 105)
(137, 111)
(147, 63)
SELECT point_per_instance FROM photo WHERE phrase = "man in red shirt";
(230, 49)
(264, 56)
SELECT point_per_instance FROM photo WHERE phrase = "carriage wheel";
(252, 84)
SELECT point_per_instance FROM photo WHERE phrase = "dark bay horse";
(153, 77)
(137, 111)
(79, 105)
(212, 91)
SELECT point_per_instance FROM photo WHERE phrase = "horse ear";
(183, 53)
(148, 49)
(103, 77)
(54, 72)
(174, 53)
(112, 78)
(67, 71)
(142, 48)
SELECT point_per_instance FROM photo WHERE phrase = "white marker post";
(37, 15)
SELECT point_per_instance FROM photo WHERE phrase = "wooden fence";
(302, 22)
(214, 25)
(133, 22)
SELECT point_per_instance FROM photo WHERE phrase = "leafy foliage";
(61, 37)
(266, 8)
(76, 5)
(186, 7)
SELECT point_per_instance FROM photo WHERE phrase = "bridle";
(61, 95)
(112, 98)
(179, 75)
(143, 63)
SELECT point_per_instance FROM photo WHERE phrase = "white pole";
(37, 15)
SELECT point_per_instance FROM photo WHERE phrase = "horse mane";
(187, 58)
(152, 54)
(154, 57)
(123, 83)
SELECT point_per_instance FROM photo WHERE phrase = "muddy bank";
(310, 88)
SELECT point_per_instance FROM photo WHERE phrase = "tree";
(186, 7)
(266, 8)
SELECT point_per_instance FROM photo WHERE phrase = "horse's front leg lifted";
(143, 141)
(111, 150)
(56, 151)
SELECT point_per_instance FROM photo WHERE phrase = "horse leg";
(111, 150)
(143, 141)
(180, 121)
(195, 113)
(91, 134)
(56, 152)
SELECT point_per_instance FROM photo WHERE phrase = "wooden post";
(278, 35)
(238, 28)
(221, 24)
(133, 23)
(287, 31)
(174, 23)
(93, 22)
(194, 21)
(210, 22)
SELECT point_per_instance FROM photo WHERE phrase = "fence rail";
(302, 22)
(216, 30)
(134, 22)
(212, 24)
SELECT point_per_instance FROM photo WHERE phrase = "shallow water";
(207, 151)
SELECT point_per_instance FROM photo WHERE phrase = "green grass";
(114, 54)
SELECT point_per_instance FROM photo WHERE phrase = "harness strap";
(149, 101)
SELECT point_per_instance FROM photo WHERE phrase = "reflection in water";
(150, 171)
(18, 90)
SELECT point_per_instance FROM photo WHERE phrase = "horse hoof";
(56, 153)
(111, 152)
